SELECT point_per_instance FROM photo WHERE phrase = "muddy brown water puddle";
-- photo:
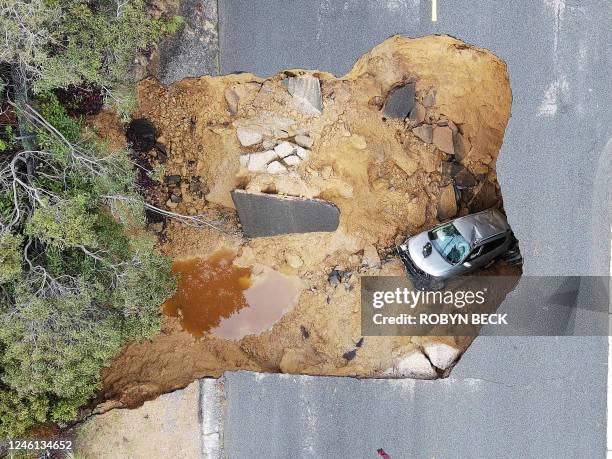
(215, 296)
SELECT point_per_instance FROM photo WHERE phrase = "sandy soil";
(385, 180)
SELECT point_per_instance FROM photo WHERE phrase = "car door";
(491, 249)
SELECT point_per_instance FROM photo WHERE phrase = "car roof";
(482, 225)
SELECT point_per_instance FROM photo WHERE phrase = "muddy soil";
(386, 176)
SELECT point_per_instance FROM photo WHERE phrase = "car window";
(449, 243)
(492, 245)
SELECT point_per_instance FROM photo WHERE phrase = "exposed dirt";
(386, 181)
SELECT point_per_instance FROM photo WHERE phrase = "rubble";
(248, 137)
(363, 183)
(304, 141)
(424, 132)
(275, 167)
(284, 149)
(443, 139)
(447, 203)
(400, 102)
(306, 90)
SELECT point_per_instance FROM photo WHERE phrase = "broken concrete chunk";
(303, 153)
(232, 100)
(284, 149)
(424, 132)
(275, 167)
(306, 90)
(417, 114)
(258, 162)
(416, 365)
(292, 160)
(304, 141)
(248, 137)
(268, 215)
(441, 355)
(447, 203)
(399, 102)
(443, 139)
(269, 144)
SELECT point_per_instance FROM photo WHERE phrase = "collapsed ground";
(388, 176)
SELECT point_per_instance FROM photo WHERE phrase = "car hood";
(434, 264)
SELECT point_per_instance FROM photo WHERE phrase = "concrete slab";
(269, 214)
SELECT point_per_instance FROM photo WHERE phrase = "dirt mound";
(310, 134)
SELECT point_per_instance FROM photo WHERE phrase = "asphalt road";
(509, 396)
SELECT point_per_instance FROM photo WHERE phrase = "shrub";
(79, 277)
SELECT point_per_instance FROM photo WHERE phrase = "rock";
(141, 135)
(248, 137)
(293, 260)
(417, 114)
(281, 133)
(464, 179)
(303, 153)
(370, 257)
(176, 198)
(269, 214)
(173, 180)
(350, 355)
(447, 203)
(416, 365)
(441, 355)
(326, 172)
(484, 198)
(334, 277)
(275, 167)
(292, 160)
(430, 98)
(400, 102)
(232, 100)
(443, 139)
(304, 141)
(424, 132)
(284, 149)
(358, 142)
(306, 90)
(257, 162)
(269, 144)
(461, 146)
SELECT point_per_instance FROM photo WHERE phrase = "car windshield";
(449, 243)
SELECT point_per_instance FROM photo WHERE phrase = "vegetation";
(79, 276)
(57, 43)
